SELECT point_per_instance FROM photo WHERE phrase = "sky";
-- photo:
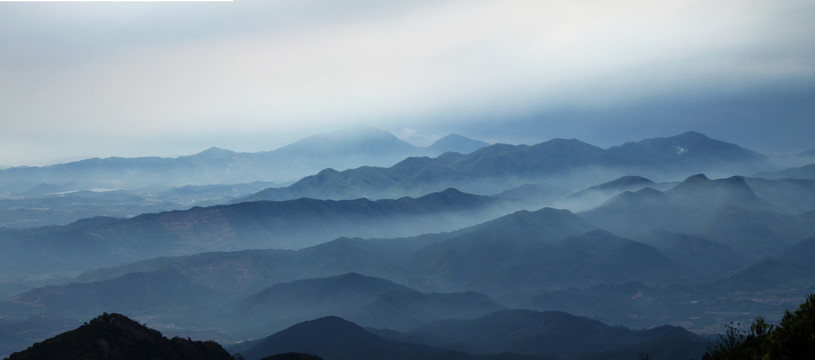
(99, 79)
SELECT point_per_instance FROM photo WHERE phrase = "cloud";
(313, 64)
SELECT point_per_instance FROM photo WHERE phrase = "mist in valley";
(407, 180)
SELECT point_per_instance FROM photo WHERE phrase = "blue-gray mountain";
(500, 167)
(116, 337)
(341, 149)
(724, 210)
(97, 242)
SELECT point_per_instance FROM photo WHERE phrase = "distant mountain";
(341, 149)
(501, 167)
(790, 269)
(545, 259)
(134, 293)
(802, 172)
(810, 152)
(455, 143)
(593, 196)
(366, 300)
(533, 194)
(793, 196)
(50, 204)
(113, 337)
(699, 259)
(724, 210)
(335, 338)
(554, 333)
(690, 148)
(533, 250)
(288, 224)
(511, 334)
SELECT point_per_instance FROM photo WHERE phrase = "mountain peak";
(354, 140)
(698, 178)
(214, 151)
(456, 143)
(114, 337)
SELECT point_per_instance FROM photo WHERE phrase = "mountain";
(810, 152)
(455, 143)
(500, 167)
(288, 224)
(593, 196)
(50, 204)
(699, 259)
(686, 149)
(114, 336)
(793, 196)
(363, 299)
(801, 172)
(134, 293)
(218, 280)
(510, 334)
(727, 211)
(790, 269)
(551, 332)
(341, 149)
(335, 338)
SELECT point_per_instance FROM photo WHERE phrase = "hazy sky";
(101, 79)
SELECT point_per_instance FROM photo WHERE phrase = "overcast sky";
(130, 79)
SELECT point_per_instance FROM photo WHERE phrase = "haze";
(135, 79)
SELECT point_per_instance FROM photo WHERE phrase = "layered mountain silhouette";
(551, 332)
(595, 195)
(801, 172)
(114, 336)
(727, 211)
(511, 334)
(508, 259)
(286, 224)
(341, 149)
(367, 300)
(501, 167)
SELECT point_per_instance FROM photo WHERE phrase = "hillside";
(97, 242)
(114, 337)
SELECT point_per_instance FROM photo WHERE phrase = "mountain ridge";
(502, 166)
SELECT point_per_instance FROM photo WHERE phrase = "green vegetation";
(793, 338)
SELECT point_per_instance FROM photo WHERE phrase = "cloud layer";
(106, 79)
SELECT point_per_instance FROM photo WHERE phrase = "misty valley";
(358, 245)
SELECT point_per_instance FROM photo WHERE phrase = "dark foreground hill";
(500, 167)
(116, 337)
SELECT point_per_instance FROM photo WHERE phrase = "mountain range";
(528, 259)
(299, 223)
(502, 167)
(471, 265)
(340, 149)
